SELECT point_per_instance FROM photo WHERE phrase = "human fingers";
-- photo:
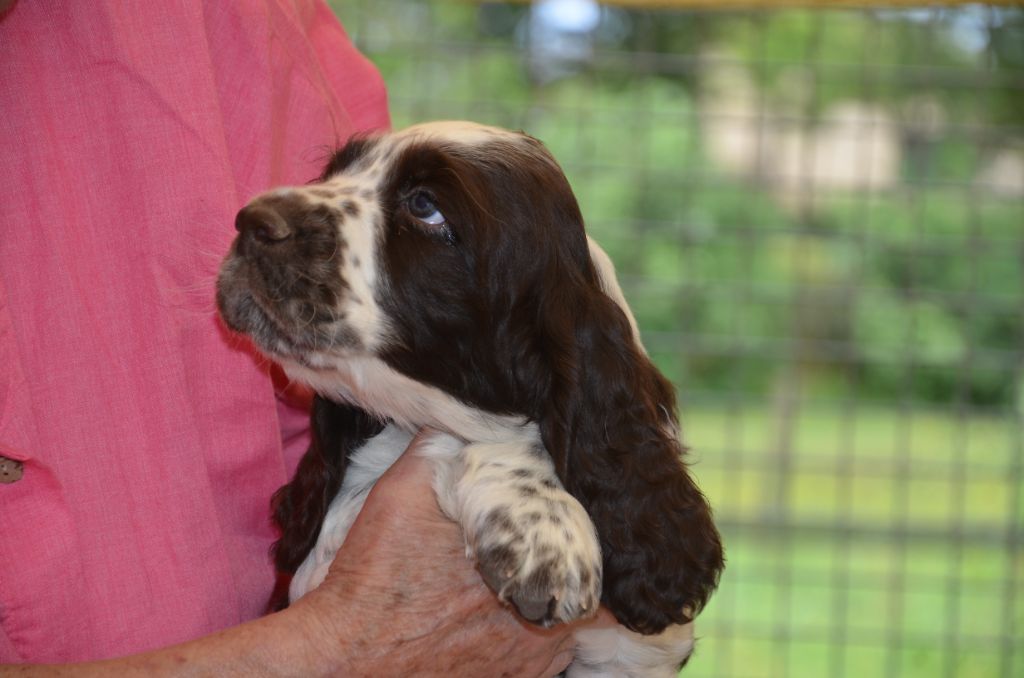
(402, 500)
(559, 663)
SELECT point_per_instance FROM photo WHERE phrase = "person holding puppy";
(141, 442)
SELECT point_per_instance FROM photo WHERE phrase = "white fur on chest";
(366, 466)
(371, 384)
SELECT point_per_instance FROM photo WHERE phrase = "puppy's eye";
(422, 206)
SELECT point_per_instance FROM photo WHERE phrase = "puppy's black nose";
(263, 223)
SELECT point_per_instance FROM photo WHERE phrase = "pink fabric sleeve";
(151, 440)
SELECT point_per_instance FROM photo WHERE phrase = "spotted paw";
(543, 557)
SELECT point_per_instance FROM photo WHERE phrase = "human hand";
(403, 593)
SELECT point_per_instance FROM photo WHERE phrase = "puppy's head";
(427, 248)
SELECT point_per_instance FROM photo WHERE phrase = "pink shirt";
(151, 442)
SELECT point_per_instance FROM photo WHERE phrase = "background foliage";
(847, 334)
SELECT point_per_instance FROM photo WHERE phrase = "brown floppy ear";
(300, 506)
(610, 425)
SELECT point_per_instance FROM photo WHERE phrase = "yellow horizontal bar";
(815, 4)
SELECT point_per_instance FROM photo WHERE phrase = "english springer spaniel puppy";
(440, 277)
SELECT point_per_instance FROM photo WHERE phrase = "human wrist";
(325, 633)
(353, 628)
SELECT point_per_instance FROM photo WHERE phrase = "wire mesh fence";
(818, 218)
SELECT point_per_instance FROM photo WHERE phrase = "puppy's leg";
(533, 542)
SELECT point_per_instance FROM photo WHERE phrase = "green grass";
(898, 595)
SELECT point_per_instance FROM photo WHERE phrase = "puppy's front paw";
(542, 555)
